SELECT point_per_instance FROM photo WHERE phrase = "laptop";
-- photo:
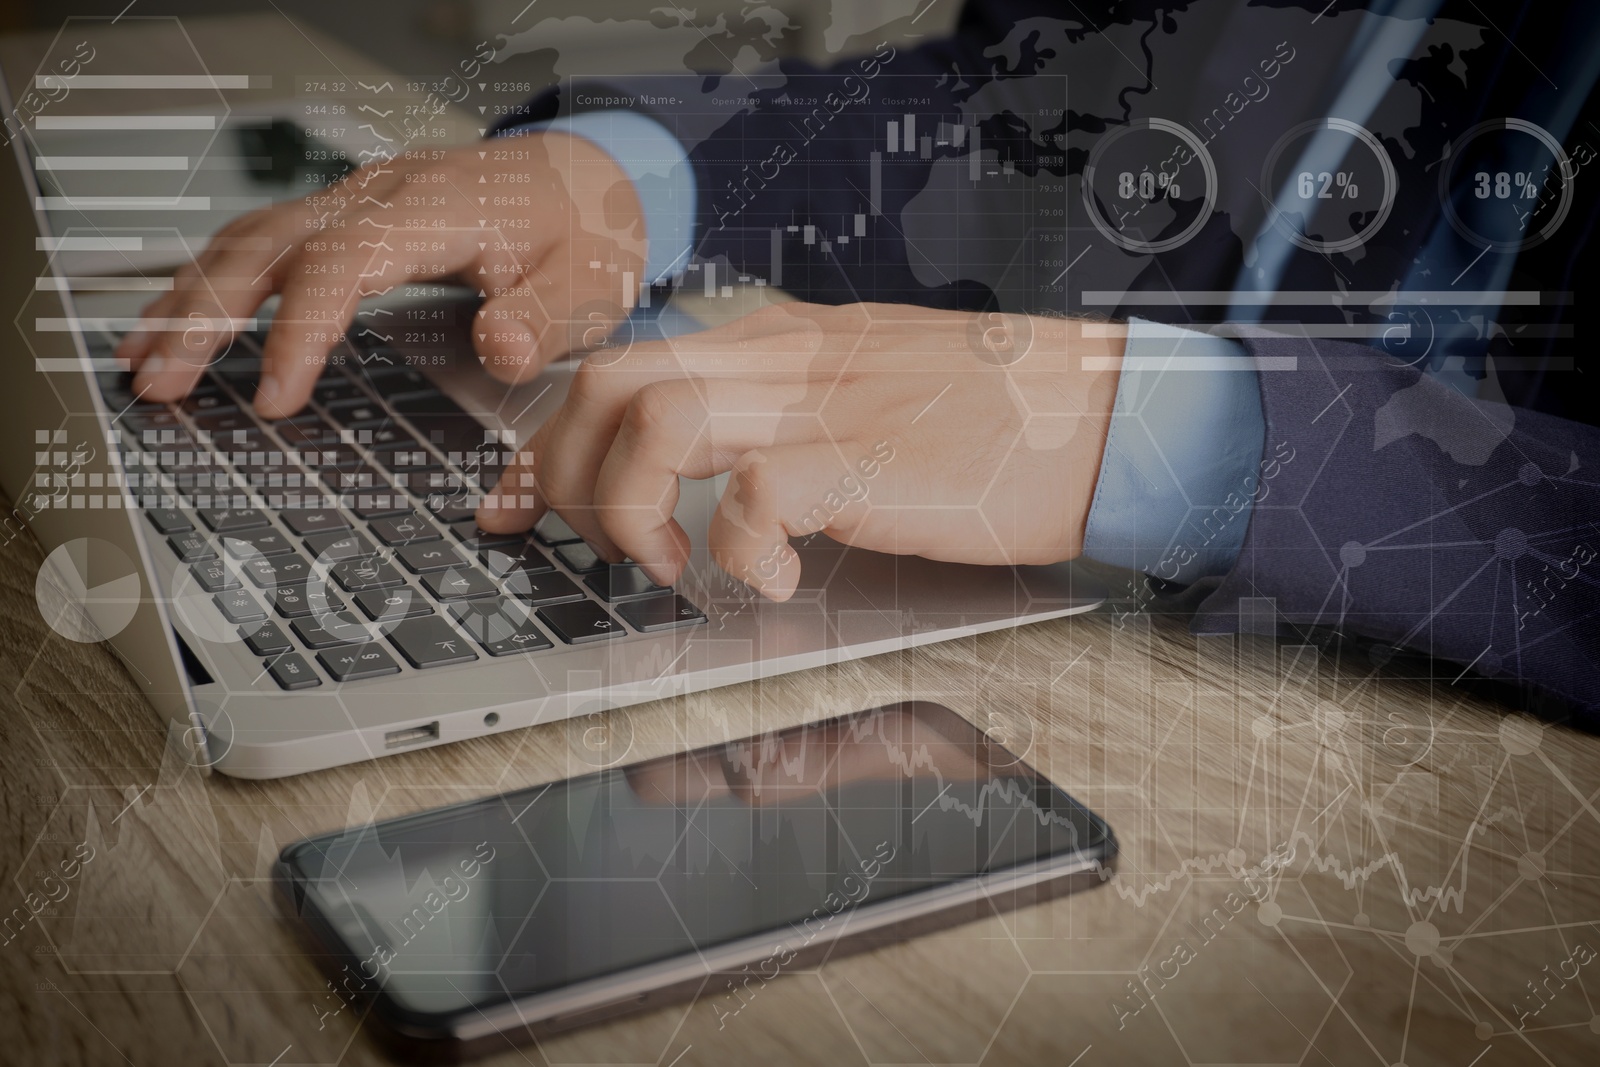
(298, 595)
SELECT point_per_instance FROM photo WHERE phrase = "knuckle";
(753, 473)
(649, 412)
(590, 381)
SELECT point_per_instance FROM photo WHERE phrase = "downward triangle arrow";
(480, 131)
(481, 359)
(481, 336)
(482, 154)
(482, 245)
(481, 222)
(482, 108)
(481, 85)
(481, 199)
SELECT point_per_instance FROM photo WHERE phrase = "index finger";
(579, 435)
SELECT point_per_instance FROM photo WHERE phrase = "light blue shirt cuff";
(1181, 467)
(655, 161)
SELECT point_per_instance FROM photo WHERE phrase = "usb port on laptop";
(411, 735)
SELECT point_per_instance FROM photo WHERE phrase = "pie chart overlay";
(88, 590)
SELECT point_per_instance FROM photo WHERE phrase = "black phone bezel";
(473, 1030)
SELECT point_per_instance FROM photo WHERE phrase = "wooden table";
(1323, 862)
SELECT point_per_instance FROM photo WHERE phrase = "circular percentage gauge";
(1506, 185)
(1335, 209)
(1142, 178)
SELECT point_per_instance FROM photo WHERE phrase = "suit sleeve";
(1392, 507)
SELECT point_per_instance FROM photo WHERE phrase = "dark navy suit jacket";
(1406, 514)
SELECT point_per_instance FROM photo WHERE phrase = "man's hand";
(521, 218)
(971, 438)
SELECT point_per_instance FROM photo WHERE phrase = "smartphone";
(533, 912)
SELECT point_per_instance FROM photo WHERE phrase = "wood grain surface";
(1324, 861)
(1402, 861)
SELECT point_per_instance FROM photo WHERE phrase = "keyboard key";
(291, 671)
(404, 530)
(192, 547)
(522, 558)
(262, 461)
(392, 380)
(207, 398)
(208, 483)
(335, 628)
(350, 412)
(299, 601)
(265, 638)
(277, 479)
(391, 605)
(553, 530)
(415, 463)
(580, 558)
(306, 521)
(379, 503)
(239, 606)
(661, 613)
(186, 459)
(459, 583)
(622, 583)
(459, 434)
(214, 576)
(426, 558)
(292, 569)
(332, 458)
(474, 538)
(227, 426)
(307, 431)
(385, 437)
(240, 367)
(155, 420)
(442, 482)
(248, 544)
(356, 575)
(168, 520)
(352, 478)
(430, 642)
(334, 390)
(452, 507)
(483, 464)
(502, 627)
(225, 520)
(355, 662)
(175, 458)
(430, 402)
(580, 621)
(548, 588)
(330, 547)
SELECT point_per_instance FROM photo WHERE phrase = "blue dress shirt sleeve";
(659, 168)
(1181, 465)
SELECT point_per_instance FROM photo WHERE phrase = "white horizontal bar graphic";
(1316, 297)
(123, 203)
(144, 81)
(107, 285)
(88, 244)
(119, 323)
(112, 162)
(126, 122)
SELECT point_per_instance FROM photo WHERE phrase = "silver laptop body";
(66, 460)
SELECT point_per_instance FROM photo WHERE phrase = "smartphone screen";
(785, 834)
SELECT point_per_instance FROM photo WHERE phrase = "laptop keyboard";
(341, 543)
